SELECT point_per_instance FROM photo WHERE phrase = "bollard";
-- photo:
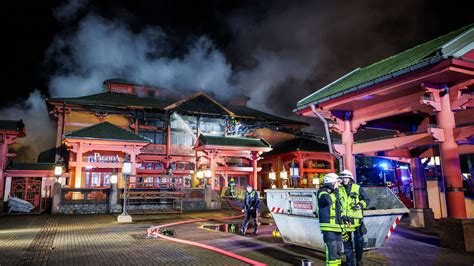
(307, 262)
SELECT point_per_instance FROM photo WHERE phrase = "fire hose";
(154, 231)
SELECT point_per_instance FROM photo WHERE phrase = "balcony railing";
(161, 149)
(154, 148)
(182, 150)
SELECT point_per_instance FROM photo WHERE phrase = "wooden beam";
(399, 142)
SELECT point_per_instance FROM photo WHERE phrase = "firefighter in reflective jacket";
(250, 208)
(353, 200)
(330, 222)
(232, 188)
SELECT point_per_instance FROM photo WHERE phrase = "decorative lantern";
(284, 177)
(272, 177)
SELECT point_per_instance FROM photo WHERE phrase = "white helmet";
(330, 178)
(346, 173)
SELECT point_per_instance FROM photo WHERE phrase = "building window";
(212, 126)
(181, 138)
(155, 137)
(97, 179)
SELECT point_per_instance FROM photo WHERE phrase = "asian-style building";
(9, 131)
(159, 130)
(170, 138)
(425, 94)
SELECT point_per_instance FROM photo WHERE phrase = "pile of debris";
(19, 205)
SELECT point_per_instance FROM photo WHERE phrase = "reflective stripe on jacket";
(329, 211)
(351, 199)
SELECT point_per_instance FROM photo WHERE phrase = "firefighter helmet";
(330, 178)
(346, 173)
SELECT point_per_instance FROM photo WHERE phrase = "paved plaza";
(98, 239)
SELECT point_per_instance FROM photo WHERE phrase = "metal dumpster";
(295, 212)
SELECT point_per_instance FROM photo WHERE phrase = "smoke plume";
(40, 130)
(276, 52)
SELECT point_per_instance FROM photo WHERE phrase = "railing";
(84, 195)
(194, 193)
(182, 150)
(155, 201)
(154, 148)
(178, 183)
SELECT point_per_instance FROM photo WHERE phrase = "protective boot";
(255, 230)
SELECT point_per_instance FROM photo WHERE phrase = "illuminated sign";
(97, 158)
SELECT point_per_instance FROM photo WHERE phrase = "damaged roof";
(198, 104)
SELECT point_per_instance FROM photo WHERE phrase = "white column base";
(124, 218)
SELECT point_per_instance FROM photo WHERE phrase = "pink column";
(78, 176)
(450, 161)
(133, 177)
(213, 171)
(347, 141)
(59, 134)
(419, 184)
(253, 178)
(301, 169)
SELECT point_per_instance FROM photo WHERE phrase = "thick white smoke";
(102, 49)
(40, 130)
(282, 56)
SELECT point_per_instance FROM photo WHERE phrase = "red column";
(347, 141)
(253, 178)
(419, 184)
(450, 161)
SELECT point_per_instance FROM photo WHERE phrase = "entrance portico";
(227, 156)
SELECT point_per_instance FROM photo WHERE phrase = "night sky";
(277, 52)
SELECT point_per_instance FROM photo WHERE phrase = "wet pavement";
(98, 239)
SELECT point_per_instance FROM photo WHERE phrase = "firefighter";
(354, 200)
(330, 222)
(250, 208)
(232, 188)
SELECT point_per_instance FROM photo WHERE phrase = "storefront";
(220, 159)
(96, 154)
(298, 163)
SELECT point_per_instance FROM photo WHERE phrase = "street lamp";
(272, 177)
(124, 217)
(284, 177)
(208, 175)
(316, 182)
(58, 171)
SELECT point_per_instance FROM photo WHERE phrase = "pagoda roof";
(31, 166)
(117, 100)
(298, 144)
(197, 104)
(105, 131)
(453, 44)
(208, 140)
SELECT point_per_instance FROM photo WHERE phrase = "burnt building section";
(175, 140)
